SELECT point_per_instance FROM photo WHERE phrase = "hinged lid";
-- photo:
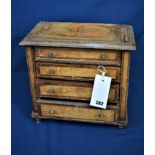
(81, 35)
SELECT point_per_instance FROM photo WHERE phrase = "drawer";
(77, 113)
(72, 90)
(75, 55)
(74, 71)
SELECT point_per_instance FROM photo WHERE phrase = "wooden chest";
(62, 62)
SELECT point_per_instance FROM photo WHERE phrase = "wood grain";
(111, 57)
(73, 103)
(70, 112)
(72, 90)
(74, 72)
(31, 71)
(124, 85)
(81, 35)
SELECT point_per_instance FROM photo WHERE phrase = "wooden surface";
(74, 72)
(81, 35)
(73, 103)
(72, 90)
(75, 55)
(31, 71)
(124, 86)
(62, 111)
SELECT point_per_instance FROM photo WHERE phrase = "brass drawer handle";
(50, 55)
(51, 71)
(51, 111)
(103, 56)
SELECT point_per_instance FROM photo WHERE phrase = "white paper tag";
(100, 91)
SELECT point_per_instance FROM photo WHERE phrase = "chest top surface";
(81, 35)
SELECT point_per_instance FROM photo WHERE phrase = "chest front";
(62, 60)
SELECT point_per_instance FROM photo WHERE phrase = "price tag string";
(101, 69)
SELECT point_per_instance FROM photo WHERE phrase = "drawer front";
(73, 112)
(74, 90)
(70, 55)
(74, 72)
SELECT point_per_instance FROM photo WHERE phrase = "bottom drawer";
(77, 113)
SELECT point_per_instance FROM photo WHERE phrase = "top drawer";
(75, 55)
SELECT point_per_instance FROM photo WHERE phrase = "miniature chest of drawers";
(62, 62)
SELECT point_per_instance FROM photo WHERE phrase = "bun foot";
(120, 126)
(38, 120)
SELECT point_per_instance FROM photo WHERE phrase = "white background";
(5, 77)
(149, 76)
